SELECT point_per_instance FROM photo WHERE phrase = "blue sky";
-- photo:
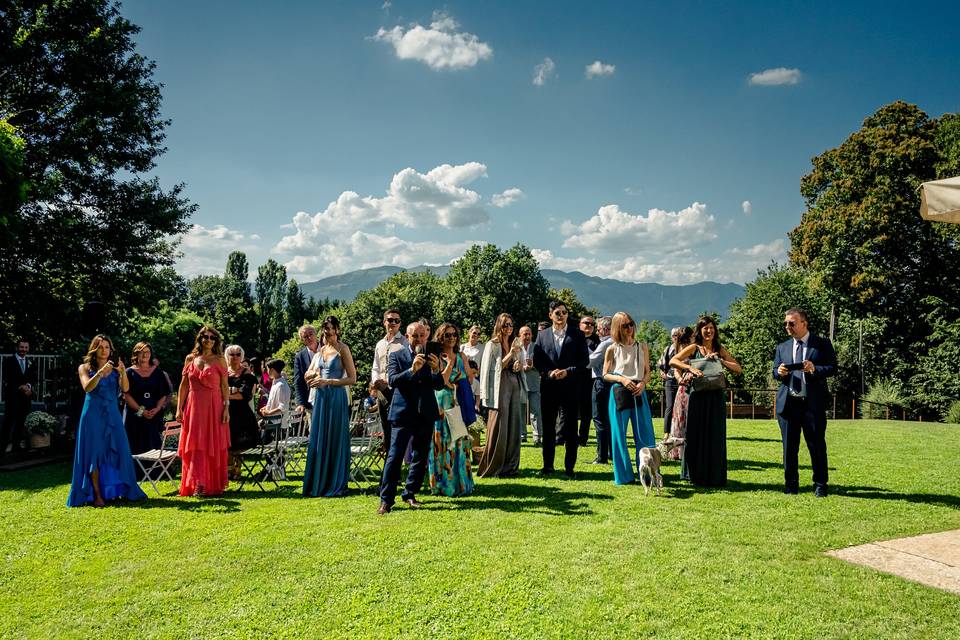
(659, 142)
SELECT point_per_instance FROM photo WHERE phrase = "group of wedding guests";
(430, 391)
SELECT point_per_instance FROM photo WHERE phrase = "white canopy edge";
(940, 200)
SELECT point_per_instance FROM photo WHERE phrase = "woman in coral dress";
(202, 407)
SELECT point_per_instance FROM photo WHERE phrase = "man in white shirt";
(601, 392)
(391, 342)
(301, 362)
(18, 379)
(278, 402)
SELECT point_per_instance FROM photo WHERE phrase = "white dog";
(650, 459)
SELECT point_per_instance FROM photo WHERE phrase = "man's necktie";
(796, 379)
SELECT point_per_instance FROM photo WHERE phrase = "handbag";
(457, 428)
(713, 378)
(623, 398)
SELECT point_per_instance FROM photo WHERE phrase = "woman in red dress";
(202, 407)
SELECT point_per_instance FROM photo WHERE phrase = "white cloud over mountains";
(597, 69)
(205, 249)
(612, 230)
(774, 77)
(413, 199)
(440, 46)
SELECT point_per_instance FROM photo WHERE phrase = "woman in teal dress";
(704, 461)
(102, 464)
(448, 463)
(328, 452)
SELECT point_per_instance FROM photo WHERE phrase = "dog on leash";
(650, 459)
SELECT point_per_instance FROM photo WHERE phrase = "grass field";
(523, 558)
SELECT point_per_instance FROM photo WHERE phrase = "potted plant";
(40, 425)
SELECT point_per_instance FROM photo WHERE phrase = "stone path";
(932, 559)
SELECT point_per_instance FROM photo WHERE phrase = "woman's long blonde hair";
(617, 326)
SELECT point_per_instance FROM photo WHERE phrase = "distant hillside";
(670, 304)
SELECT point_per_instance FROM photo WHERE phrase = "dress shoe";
(569, 475)
(791, 491)
(413, 503)
(384, 509)
(820, 490)
(545, 473)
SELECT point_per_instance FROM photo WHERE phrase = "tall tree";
(861, 234)
(270, 289)
(487, 281)
(295, 307)
(238, 270)
(88, 109)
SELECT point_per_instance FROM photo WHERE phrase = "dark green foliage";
(882, 400)
(295, 308)
(270, 290)
(936, 381)
(171, 332)
(94, 226)
(487, 281)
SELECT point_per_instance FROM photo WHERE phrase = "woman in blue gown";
(328, 452)
(102, 465)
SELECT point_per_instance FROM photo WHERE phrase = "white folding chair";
(294, 445)
(161, 460)
(366, 439)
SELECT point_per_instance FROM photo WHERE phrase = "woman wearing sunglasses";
(203, 408)
(626, 365)
(449, 462)
(503, 392)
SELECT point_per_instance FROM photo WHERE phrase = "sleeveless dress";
(144, 433)
(628, 361)
(449, 462)
(102, 446)
(205, 439)
(704, 460)
(328, 452)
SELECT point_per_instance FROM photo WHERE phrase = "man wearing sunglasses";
(802, 364)
(559, 355)
(391, 342)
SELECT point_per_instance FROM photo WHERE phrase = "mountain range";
(670, 304)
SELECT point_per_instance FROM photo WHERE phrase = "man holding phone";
(802, 364)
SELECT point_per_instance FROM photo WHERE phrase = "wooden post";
(731, 404)
(853, 408)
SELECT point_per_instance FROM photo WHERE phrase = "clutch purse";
(623, 399)
(713, 378)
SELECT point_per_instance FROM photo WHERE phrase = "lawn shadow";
(749, 439)
(203, 505)
(878, 493)
(36, 478)
(515, 497)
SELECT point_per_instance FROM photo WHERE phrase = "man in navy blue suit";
(802, 364)
(559, 355)
(413, 411)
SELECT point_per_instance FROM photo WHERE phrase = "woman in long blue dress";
(448, 463)
(328, 452)
(626, 364)
(102, 465)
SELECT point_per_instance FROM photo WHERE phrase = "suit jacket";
(414, 399)
(13, 378)
(820, 352)
(301, 362)
(573, 355)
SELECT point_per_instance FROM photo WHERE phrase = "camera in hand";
(793, 366)
(434, 349)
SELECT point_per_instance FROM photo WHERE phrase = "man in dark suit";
(301, 362)
(802, 364)
(413, 411)
(560, 354)
(19, 376)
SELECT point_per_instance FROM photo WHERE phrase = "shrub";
(953, 413)
(41, 423)
(882, 392)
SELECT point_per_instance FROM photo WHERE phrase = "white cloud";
(205, 249)
(413, 199)
(631, 191)
(361, 250)
(684, 267)
(773, 77)
(441, 46)
(747, 207)
(543, 72)
(598, 69)
(614, 231)
(508, 197)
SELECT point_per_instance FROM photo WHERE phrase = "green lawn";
(521, 558)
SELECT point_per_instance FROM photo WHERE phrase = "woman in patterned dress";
(450, 456)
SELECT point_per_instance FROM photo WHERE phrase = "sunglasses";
(789, 323)
(234, 355)
(393, 320)
(587, 324)
(560, 312)
(508, 324)
(629, 325)
(208, 338)
(449, 336)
